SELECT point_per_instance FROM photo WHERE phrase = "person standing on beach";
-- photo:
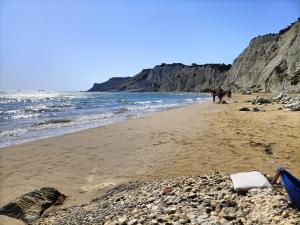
(229, 93)
(214, 94)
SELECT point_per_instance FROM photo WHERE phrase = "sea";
(32, 115)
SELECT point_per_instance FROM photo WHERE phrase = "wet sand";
(192, 140)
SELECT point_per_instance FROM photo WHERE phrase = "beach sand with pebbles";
(192, 140)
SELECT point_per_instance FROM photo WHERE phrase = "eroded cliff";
(271, 63)
(176, 77)
(170, 77)
(110, 85)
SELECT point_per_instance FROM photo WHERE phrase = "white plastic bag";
(248, 180)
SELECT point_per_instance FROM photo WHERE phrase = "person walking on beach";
(214, 94)
(229, 93)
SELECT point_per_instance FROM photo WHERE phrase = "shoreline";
(71, 125)
(191, 140)
(45, 143)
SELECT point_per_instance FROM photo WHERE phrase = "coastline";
(190, 140)
(26, 118)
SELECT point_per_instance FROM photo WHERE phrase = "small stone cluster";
(188, 200)
(258, 100)
(289, 102)
(292, 103)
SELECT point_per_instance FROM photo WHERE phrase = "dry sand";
(185, 141)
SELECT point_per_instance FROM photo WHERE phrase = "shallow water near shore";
(32, 115)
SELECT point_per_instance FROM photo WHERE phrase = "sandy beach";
(191, 140)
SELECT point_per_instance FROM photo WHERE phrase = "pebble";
(122, 220)
(133, 222)
(187, 200)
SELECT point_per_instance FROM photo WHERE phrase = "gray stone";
(229, 214)
(261, 100)
(244, 109)
(29, 207)
(296, 107)
(255, 109)
(247, 92)
(123, 220)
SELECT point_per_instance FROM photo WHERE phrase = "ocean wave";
(6, 101)
(40, 109)
(54, 121)
(94, 118)
(13, 111)
(203, 98)
(148, 102)
(33, 111)
(153, 107)
(61, 106)
(16, 114)
(142, 102)
(120, 111)
(13, 133)
(199, 99)
(125, 101)
(190, 100)
(23, 116)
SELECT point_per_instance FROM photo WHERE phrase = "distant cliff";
(110, 85)
(270, 63)
(169, 77)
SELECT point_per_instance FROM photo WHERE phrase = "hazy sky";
(69, 45)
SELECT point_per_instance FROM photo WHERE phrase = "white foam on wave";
(6, 101)
(143, 102)
(40, 108)
(24, 116)
(13, 111)
(152, 107)
(34, 132)
(148, 102)
(13, 133)
(94, 117)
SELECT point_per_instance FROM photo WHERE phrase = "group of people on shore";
(220, 93)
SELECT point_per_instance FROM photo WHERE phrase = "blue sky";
(69, 45)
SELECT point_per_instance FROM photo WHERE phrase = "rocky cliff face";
(170, 77)
(110, 85)
(270, 63)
